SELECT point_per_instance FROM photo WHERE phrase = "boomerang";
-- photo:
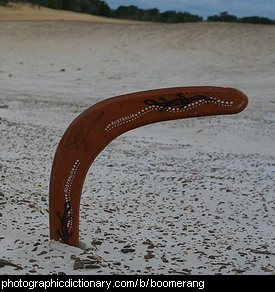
(97, 126)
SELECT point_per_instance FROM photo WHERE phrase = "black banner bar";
(188, 283)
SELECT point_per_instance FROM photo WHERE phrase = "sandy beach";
(193, 196)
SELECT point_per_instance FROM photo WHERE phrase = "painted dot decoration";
(68, 186)
(146, 110)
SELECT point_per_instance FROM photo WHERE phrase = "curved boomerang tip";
(239, 98)
(96, 127)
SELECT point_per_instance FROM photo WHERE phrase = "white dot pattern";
(146, 110)
(68, 187)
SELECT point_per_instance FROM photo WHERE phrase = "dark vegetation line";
(98, 7)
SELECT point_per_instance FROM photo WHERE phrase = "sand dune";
(200, 191)
(23, 12)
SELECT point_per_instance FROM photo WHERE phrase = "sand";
(189, 197)
(25, 12)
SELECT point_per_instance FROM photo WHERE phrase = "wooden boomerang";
(97, 126)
